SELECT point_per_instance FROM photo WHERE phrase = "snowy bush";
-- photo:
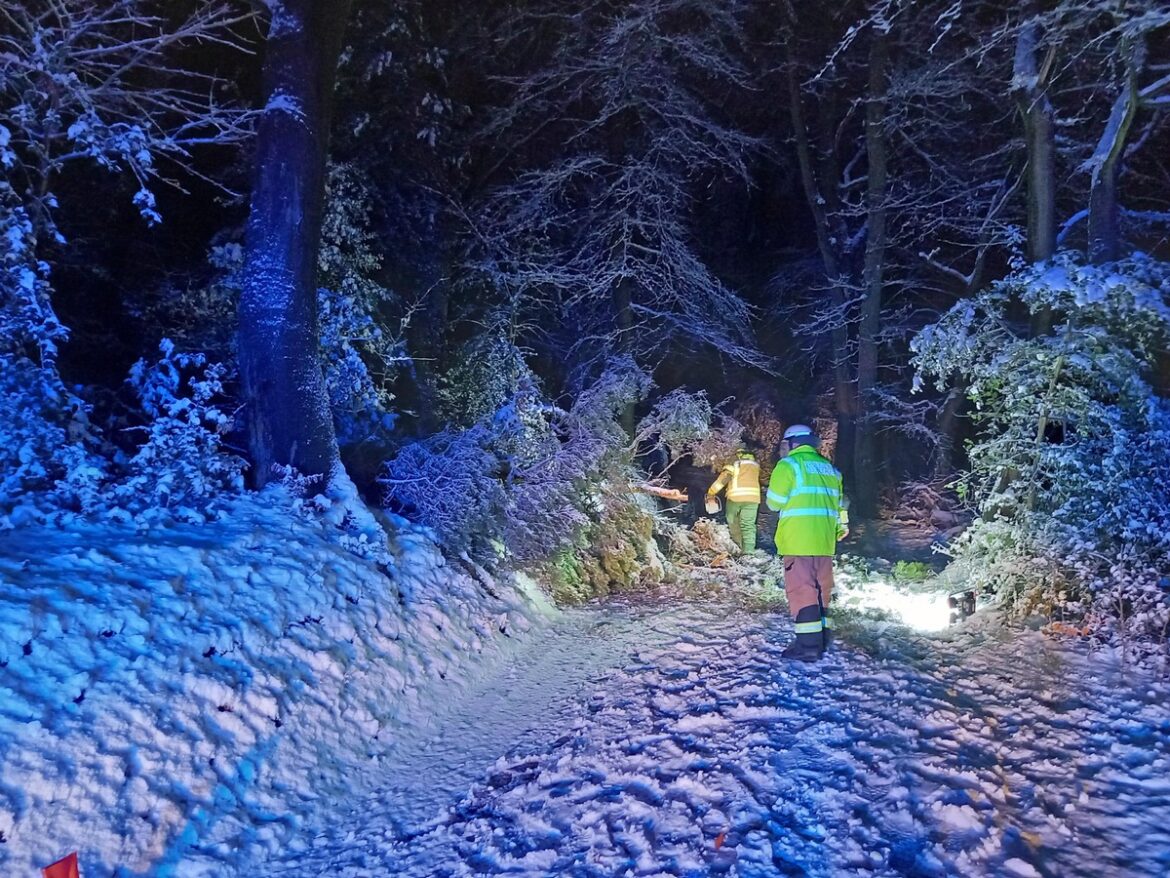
(28, 325)
(1068, 471)
(182, 465)
(46, 450)
(453, 482)
(103, 86)
(43, 426)
(358, 357)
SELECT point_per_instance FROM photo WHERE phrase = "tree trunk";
(285, 401)
(1030, 82)
(624, 328)
(948, 431)
(1104, 206)
(864, 457)
(428, 347)
(843, 396)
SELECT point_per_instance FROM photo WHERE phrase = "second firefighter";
(741, 479)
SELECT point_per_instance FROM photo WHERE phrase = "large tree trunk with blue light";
(286, 405)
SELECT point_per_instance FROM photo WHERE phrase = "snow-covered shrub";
(359, 350)
(78, 87)
(358, 356)
(182, 465)
(44, 428)
(46, 449)
(28, 325)
(453, 482)
(1069, 468)
(482, 488)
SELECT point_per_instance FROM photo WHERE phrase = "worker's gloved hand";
(842, 533)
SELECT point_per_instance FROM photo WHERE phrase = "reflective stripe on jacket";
(744, 478)
(806, 490)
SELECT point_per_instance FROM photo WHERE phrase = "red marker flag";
(66, 867)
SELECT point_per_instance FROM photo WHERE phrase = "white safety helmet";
(800, 431)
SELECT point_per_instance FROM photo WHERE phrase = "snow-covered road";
(673, 740)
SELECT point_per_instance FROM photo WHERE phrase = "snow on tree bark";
(286, 405)
(1105, 164)
(1029, 81)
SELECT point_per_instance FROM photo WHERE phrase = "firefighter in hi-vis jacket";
(742, 480)
(807, 492)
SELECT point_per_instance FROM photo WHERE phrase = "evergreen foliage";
(1069, 467)
(485, 372)
(359, 353)
(55, 463)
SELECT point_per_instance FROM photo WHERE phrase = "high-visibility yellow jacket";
(744, 478)
(807, 492)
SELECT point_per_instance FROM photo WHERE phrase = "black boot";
(810, 636)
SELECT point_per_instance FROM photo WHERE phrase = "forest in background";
(479, 260)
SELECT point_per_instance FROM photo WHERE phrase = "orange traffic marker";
(66, 867)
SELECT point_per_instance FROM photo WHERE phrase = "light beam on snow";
(922, 611)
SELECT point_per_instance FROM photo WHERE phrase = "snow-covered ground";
(171, 699)
(216, 701)
(702, 752)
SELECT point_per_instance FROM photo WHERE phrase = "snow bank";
(170, 698)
